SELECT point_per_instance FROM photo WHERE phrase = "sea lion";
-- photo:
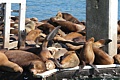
(46, 28)
(116, 58)
(68, 17)
(118, 27)
(33, 34)
(27, 60)
(7, 65)
(68, 26)
(45, 53)
(30, 25)
(87, 54)
(70, 60)
(102, 58)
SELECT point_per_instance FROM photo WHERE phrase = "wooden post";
(101, 22)
(22, 33)
(7, 25)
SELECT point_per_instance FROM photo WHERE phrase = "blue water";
(44, 9)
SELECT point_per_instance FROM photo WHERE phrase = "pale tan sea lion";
(70, 60)
(33, 34)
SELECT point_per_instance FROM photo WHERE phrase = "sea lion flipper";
(95, 67)
(80, 69)
(52, 33)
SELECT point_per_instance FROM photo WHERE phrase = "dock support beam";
(101, 22)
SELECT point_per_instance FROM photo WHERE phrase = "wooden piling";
(101, 22)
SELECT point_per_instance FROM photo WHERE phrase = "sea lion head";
(37, 67)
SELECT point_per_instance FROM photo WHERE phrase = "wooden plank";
(7, 25)
(101, 22)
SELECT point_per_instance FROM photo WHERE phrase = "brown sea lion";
(70, 60)
(33, 34)
(87, 54)
(46, 28)
(45, 53)
(118, 27)
(68, 17)
(68, 26)
(116, 58)
(27, 60)
(7, 65)
(102, 58)
(72, 35)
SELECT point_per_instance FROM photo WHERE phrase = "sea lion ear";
(91, 39)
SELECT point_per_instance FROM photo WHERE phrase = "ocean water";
(44, 9)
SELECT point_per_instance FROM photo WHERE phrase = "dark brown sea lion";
(7, 65)
(46, 28)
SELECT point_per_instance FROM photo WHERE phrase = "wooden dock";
(87, 72)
